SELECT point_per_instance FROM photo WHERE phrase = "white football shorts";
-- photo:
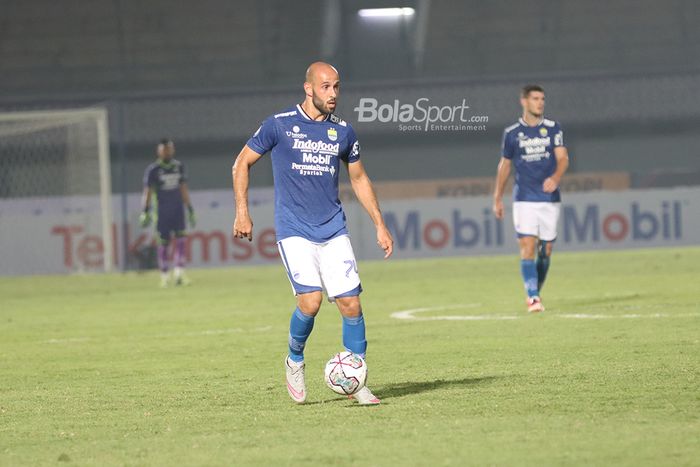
(537, 219)
(314, 267)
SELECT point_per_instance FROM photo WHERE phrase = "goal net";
(55, 192)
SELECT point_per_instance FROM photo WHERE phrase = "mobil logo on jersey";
(637, 221)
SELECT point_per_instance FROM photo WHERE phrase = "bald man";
(307, 143)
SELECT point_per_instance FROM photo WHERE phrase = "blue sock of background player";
(542, 264)
(300, 328)
(528, 270)
(354, 338)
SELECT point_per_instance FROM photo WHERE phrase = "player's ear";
(307, 89)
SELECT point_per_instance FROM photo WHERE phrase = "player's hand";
(145, 219)
(498, 208)
(385, 240)
(243, 227)
(550, 184)
(191, 217)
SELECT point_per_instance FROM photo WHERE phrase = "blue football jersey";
(531, 150)
(306, 158)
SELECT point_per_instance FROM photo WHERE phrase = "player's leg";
(163, 256)
(528, 270)
(300, 327)
(302, 323)
(549, 217)
(354, 338)
(179, 258)
(526, 226)
(544, 252)
(300, 259)
(340, 277)
(342, 281)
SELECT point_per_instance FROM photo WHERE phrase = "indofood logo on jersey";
(317, 146)
(420, 115)
(535, 148)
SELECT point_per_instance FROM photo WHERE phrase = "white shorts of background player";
(329, 266)
(537, 219)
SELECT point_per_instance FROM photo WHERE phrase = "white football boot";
(180, 277)
(296, 385)
(365, 397)
(534, 305)
(164, 280)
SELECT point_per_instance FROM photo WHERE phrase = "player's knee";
(527, 252)
(549, 248)
(309, 303)
(349, 306)
(545, 249)
(528, 245)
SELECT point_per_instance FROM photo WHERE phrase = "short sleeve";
(149, 177)
(183, 174)
(265, 138)
(352, 152)
(507, 146)
(558, 136)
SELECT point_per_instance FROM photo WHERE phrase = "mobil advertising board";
(62, 235)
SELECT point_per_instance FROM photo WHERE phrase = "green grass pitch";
(111, 370)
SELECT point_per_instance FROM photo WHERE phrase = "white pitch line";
(67, 340)
(626, 316)
(410, 315)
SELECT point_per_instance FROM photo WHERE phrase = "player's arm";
(145, 217)
(362, 186)
(502, 174)
(243, 225)
(185, 192)
(562, 156)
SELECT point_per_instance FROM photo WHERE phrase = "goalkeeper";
(165, 179)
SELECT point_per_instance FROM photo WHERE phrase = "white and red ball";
(346, 373)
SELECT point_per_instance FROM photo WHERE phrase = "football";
(346, 373)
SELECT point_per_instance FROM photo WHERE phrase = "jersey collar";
(524, 123)
(306, 116)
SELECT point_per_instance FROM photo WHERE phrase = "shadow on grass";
(605, 299)
(389, 391)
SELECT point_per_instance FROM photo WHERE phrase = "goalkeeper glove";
(190, 216)
(145, 218)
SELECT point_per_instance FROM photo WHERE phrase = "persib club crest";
(543, 131)
(332, 134)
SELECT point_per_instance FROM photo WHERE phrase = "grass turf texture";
(111, 370)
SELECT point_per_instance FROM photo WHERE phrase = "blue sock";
(529, 272)
(299, 330)
(542, 264)
(354, 335)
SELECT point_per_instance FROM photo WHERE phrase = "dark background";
(622, 76)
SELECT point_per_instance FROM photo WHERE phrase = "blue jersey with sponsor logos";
(165, 178)
(306, 158)
(531, 150)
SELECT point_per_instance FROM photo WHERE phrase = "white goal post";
(58, 158)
